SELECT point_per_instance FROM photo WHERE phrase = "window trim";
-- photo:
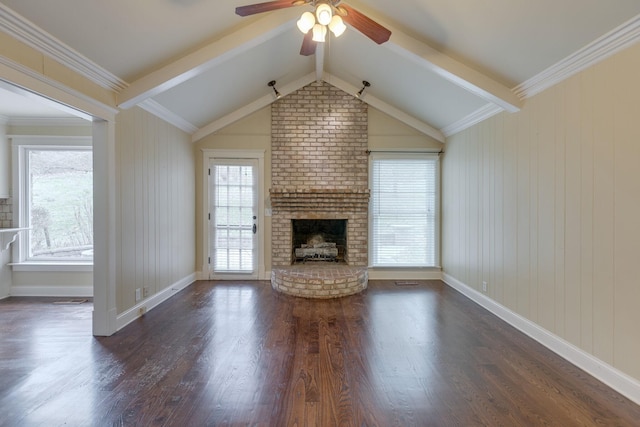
(21, 144)
(383, 155)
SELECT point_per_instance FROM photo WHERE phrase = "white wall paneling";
(543, 205)
(155, 206)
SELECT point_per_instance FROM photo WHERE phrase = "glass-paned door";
(233, 216)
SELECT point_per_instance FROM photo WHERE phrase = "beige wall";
(251, 133)
(254, 133)
(387, 133)
(155, 228)
(544, 205)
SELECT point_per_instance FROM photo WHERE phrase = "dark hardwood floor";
(236, 354)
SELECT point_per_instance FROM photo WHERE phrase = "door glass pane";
(233, 212)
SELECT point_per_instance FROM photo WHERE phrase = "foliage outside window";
(59, 208)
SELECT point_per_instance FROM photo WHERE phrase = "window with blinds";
(404, 210)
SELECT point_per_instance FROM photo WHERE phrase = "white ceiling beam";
(446, 67)
(251, 108)
(196, 63)
(168, 116)
(454, 71)
(390, 110)
(320, 49)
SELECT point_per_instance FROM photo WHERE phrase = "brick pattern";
(6, 214)
(319, 281)
(319, 166)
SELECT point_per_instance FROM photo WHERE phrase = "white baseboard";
(617, 380)
(148, 304)
(52, 291)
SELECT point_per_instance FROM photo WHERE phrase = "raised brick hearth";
(319, 280)
(319, 171)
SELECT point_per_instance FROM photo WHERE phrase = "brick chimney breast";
(319, 142)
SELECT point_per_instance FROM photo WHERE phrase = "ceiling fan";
(327, 14)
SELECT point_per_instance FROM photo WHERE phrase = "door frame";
(103, 116)
(208, 156)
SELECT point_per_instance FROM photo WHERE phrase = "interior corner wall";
(250, 133)
(155, 208)
(543, 205)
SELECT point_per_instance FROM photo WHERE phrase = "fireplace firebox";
(319, 240)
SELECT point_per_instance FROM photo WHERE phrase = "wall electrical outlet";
(138, 294)
(145, 291)
(484, 286)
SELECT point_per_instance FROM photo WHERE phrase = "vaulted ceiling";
(448, 64)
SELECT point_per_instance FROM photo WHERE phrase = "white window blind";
(404, 203)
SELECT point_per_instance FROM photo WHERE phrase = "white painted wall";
(544, 205)
(5, 185)
(155, 212)
(5, 161)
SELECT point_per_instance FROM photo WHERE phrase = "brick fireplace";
(320, 169)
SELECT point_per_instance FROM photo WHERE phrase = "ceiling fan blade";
(308, 45)
(364, 24)
(252, 9)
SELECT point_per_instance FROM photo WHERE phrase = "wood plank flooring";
(240, 354)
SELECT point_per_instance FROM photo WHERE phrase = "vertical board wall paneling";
(534, 145)
(599, 80)
(523, 144)
(585, 320)
(510, 215)
(557, 212)
(626, 132)
(560, 156)
(573, 221)
(156, 205)
(546, 210)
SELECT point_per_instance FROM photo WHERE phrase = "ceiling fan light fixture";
(337, 26)
(319, 33)
(324, 13)
(306, 22)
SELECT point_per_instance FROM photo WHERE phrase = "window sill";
(66, 267)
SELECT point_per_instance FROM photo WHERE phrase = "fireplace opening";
(319, 240)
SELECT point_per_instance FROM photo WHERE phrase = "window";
(56, 203)
(404, 210)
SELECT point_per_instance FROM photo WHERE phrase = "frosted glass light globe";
(324, 13)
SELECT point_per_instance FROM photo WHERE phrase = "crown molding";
(480, 115)
(161, 112)
(27, 32)
(33, 83)
(614, 41)
(48, 121)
